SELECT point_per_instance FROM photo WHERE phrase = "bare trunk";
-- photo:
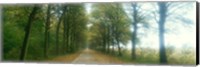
(64, 33)
(134, 34)
(112, 39)
(64, 36)
(119, 48)
(47, 24)
(70, 41)
(109, 39)
(57, 36)
(104, 43)
(65, 30)
(113, 43)
(162, 12)
(67, 37)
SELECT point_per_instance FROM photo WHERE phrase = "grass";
(151, 56)
(144, 56)
(107, 58)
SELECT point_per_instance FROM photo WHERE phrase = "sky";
(178, 33)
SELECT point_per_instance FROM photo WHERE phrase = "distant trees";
(74, 26)
(105, 19)
(110, 28)
(73, 20)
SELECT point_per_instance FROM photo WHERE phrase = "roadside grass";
(106, 58)
(151, 56)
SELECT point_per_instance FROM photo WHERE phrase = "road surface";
(92, 57)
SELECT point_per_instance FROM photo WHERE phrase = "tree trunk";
(64, 30)
(104, 44)
(47, 24)
(106, 39)
(119, 48)
(112, 39)
(134, 34)
(27, 33)
(57, 31)
(57, 36)
(73, 42)
(64, 35)
(68, 36)
(70, 41)
(162, 12)
(113, 51)
(109, 39)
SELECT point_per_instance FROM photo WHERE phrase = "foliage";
(16, 18)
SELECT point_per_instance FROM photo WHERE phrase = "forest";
(131, 33)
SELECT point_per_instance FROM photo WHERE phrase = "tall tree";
(58, 27)
(47, 31)
(113, 26)
(167, 10)
(27, 32)
(161, 23)
(134, 34)
(74, 25)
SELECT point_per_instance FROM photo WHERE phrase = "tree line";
(41, 31)
(111, 29)
(36, 32)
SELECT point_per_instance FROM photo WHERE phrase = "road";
(89, 56)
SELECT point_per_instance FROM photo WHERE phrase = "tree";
(58, 26)
(41, 21)
(47, 27)
(162, 13)
(138, 17)
(113, 26)
(74, 26)
(27, 32)
(134, 34)
(166, 10)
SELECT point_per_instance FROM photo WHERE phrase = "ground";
(87, 56)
